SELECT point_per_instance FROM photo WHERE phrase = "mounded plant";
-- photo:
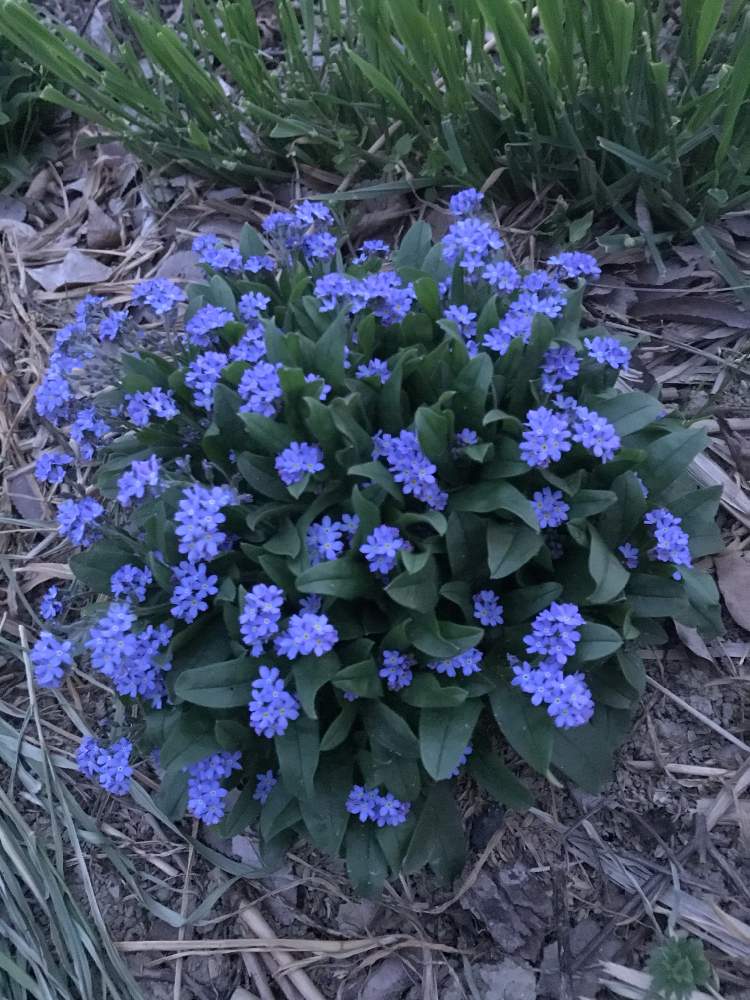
(364, 529)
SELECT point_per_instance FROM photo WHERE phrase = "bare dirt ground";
(548, 895)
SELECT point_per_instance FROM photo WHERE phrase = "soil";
(548, 894)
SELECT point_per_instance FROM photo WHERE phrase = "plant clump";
(362, 529)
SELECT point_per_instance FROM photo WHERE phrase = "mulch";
(573, 882)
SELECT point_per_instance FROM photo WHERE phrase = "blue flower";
(87, 428)
(630, 555)
(49, 657)
(87, 305)
(252, 304)
(410, 467)
(331, 288)
(76, 520)
(362, 803)
(465, 438)
(193, 586)
(206, 794)
(131, 582)
(545, 438)
(50, 467)
(141, 478)
(110, 766)
(255, 264)
(324, 540)
(551, 509)
(464, 319)
(215, 255)
(381, 547)
(573, 264)
(511, 327)
(305, 634)
(390, 811)
(571, 705)
(112, 323)
(595, 433)
(554, 633)
(251, 346)
(53, 397)
(672, 542)
(468, 751)
(560, 366)
(502, 276)
(265, 783)
(608, 351)
(466, 202)
(49, 606)
(319, 246)
(469, 242)
(157, 401)
(261, 611)
(203, 374)
(300, 459)
(199, 516)
(376, 368)
(396, 670)
(158, 293)
(487, 608)
(201, 325)
(466, 663)
(369, 248)
(271, 707)
(260, 388)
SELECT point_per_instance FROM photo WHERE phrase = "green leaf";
(428, 296)
(329, 351)
(339, 729)
(524, 604)
(416, 591)
(389, 728)
(529, 730)
(443, 736)
(466, 544)
(243, 814)
(509, 547)
(94, 566)
(440, 639)
(488, 770)
(471, 386)
(265, 434)
(378, 474)
(656, 596)
(586, 753)
(414, 246)
(426, 691)
(324, 814)
(629, 412)
(669, 457)
(280, 812)
(491, 496)
(298, 750)
(438, 838)
(218, 685)
(586, 503)
(365, 861)
(310, 674)
(361, 678)
(597, 642)
(346, 577)
(606, 570)
(261, 476)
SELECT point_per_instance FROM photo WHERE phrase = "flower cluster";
(410, 467)
(260, 615)
(206, 794)
(672, 542)
(109, 765)
(271, 707)
(368, 804)
(134, 661)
